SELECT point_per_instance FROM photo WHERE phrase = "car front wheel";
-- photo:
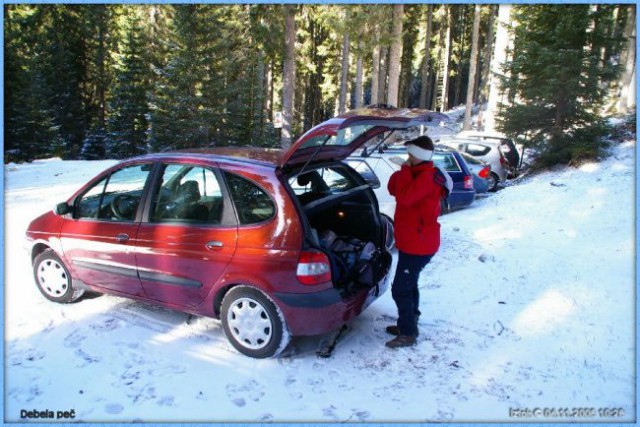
(53, 278)
(253, 323)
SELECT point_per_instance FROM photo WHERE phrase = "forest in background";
(112, 81)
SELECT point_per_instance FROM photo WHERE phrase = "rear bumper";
(461, 199)
(321, 312)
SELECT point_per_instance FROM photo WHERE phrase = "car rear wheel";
(445, 207)
(492, 181)
(253, 323)
(53, 278)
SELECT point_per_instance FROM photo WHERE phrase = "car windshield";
(344, 137)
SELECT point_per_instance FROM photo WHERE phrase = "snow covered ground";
(528, 310)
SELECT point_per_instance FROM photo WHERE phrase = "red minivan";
(230, 233)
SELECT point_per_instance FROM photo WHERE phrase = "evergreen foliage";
(558, 80)
(97, 81)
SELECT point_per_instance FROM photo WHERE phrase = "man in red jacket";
(418, 187)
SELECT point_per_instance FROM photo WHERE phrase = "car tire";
(252, 323)
(492, 181)
(53, 279)
(445, 207)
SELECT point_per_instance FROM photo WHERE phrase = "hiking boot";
(394, 330)
(401, 341)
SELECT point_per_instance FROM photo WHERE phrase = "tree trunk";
(486, 64)
(344, 75)
(503, 41)
(382, 75)
(463, 25)
(395, 55)
(472, 68)
(268, 96)
(359, 76)
(289, 75)
(375, 67)
(446, 59)
(426, 60)
(627, 85)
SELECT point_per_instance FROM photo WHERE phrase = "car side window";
(253, 204)
(116, 197)
(478, 150)
(188, 193)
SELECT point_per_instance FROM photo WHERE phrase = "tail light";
(468, 182)
(313, 268)
(484, 173)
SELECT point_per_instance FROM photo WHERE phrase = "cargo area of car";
(347, 226)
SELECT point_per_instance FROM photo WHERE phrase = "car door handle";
(122, 238)
(214, 245)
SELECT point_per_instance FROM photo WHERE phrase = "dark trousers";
(405, 293)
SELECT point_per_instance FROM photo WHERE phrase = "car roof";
(470, 140)
(251, 155)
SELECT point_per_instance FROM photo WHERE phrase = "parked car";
(230, 233)
(489, 152)
(481, 170)
(388, 160)
(507, 146)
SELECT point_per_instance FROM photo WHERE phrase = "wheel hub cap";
(52, 278)
(249, 323)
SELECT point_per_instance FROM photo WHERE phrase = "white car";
(507, 146)
(486, 150)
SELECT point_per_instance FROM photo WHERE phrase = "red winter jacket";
(417, 230)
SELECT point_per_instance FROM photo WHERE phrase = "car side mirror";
(62, 209)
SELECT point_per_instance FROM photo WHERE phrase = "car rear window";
(344, 137)
(477, 149)
(446, 161)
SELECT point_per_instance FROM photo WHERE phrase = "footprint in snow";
(74, 339)
(361, 415)
(86, 357)
(238, 394)
(106, 326)
(26, 356)
(113, 408)
(167, 401)
(168, 370)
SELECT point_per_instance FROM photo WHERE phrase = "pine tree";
(555, 81)
(129, 109)
(28, 125)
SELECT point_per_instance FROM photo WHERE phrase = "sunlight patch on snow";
(494, 367)
(221, 354)
(590, 167)
(544, 315)
(171, 336)
(498, 232)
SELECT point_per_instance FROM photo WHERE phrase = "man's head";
(420, 149)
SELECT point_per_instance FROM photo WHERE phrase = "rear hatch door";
(339, 137)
